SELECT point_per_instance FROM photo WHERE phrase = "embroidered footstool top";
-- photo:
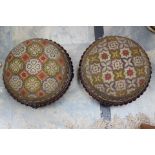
(37, 72)
(115, 70)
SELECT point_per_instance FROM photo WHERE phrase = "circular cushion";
(115, 70)
(37, 72)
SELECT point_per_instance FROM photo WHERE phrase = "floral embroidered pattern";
(50, 85)
(97, 79)
(104, 56)
(130, 72)
(113, 45)
(128, 62)
(117, 68)
(125, 53)
(101, 87)
(16, 83)
(108, 76)
(51, 68)
(19, 50)
(93, 58)
(16, 65)
(120, 85)
(138, 61)
(95, 68)
(106, 66)
(35, 69)
(115, 54)
(52, 52)
(110, 89)
(32, 84)
(117, 64)
(119, 75)
(33, 66)
(123, 42)
(35, 49)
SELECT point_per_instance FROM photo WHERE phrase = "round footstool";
(115, 70)
(37, 72)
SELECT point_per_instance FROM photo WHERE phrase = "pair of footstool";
(114, 70)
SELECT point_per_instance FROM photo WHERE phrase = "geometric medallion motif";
(37, 71)
(51, 67)
(115, 70)
(33, 66)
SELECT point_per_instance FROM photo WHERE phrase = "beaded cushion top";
(37, 72)
(115, 70)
